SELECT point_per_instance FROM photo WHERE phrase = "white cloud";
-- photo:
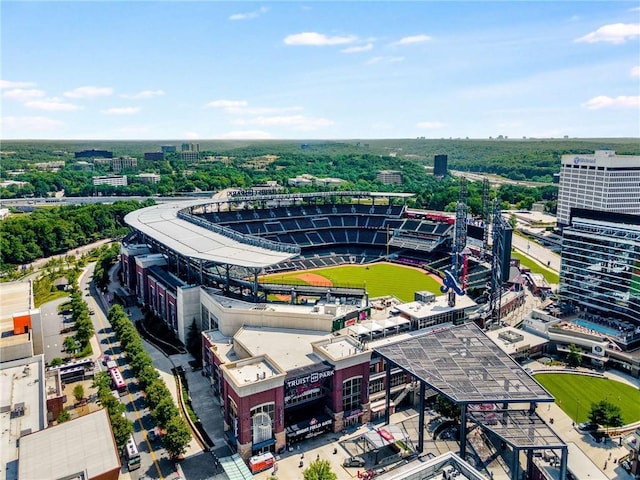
(635, 71)
(318, 39)
(22, 94)
(430, 125)
(89, 92)
(121, 110)
(192, 135)
(412, 40)
(30, 123)
(374, 60)
(615, 33)
(227, 104)
(358, 48)
(246, 135)
(298, 122)
(603, 101)
(249, 15)
(143, 94)
(52, 105)
(10, 84)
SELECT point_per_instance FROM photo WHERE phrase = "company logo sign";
(312, 378)
(582, 160)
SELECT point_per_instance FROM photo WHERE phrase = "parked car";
(354, 462)
(151, 434)
(92, 311)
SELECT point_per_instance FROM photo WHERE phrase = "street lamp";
(577, 409)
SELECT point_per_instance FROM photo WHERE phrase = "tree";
(177, 437)
(56, 362)
(70, 345)
(78, 392)
(606, 414)
(446, 408)
(64, 416)
(319, 470)
(165, 411)
(574, 357)
(122, 428)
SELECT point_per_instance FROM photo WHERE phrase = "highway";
(40, 202)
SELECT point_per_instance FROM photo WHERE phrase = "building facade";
(113, 180)
(389, 177)
(603, 181)
(600, 269)
(440, 165)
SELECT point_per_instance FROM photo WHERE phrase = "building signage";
(578, 160)
(306, 387)
(311, 378)
(314, 426)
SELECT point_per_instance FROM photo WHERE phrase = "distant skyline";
(319, 70)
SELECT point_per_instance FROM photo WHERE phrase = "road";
(496, 180)
(537, 252)
(155, 461)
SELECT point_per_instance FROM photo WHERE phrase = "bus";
(131, 454)
(117, 380)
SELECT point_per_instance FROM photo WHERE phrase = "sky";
(319, 69)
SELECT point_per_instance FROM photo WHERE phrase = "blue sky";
(331, 70)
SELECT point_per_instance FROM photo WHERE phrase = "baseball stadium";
(304, 302)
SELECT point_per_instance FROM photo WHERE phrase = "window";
(262, 422)
(351, 389)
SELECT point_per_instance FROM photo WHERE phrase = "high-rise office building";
(600, 270)
(440, 165)
(603, 181)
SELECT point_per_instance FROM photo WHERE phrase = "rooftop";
(462, 363)
(423, 310)
(14, 297)
(22, 408)
(510, 339)
(95, 454)
(161, 223)
(252, 370)
(298, 352)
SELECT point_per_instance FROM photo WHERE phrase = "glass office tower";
(600, 270)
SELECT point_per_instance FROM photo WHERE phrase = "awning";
(266, 443)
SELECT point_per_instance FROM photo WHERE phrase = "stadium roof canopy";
(162, 223)
(464, 364)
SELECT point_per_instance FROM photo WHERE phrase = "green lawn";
(549, 275)
(379, 279)
(575, 394)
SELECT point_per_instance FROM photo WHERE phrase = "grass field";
(379, 279)
(575, 394)
(549, 275)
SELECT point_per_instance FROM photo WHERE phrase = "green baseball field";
(379, 279)
(575, 393)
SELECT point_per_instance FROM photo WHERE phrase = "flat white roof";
(22, 386)
(83, 444)
(252, 370)
(289, 348)
(14, 297)
(161, 223)
(509, 347)
(423, 310)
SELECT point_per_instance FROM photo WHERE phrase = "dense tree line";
(50, 231)
(176, 435)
